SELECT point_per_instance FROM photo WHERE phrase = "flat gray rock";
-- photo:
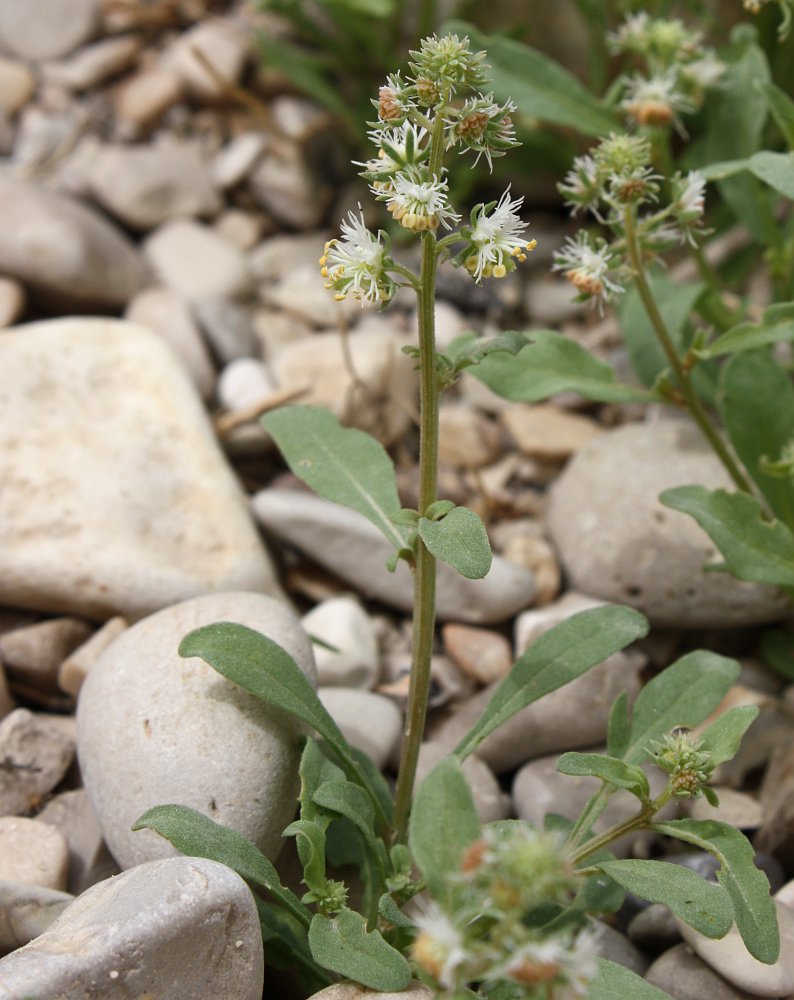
(27, 911)
(181, 928)
(617, 542)
(154, 729)
(68, 256)
(116, 497)
(346, 544)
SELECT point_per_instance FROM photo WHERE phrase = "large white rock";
(154, 728)
(619, 543)
(50, 29)
(116, 497)
(197, 262)
(181, 928)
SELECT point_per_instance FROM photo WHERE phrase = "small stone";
(74, 668)
(616, 947)
(68, 256)
(27, 911)
(619, 543)
(532, 624)
(547, 432)
(777, 801)
(287, 189)
(70, 813)
(196, 262)
(449, 324)
(145, 97)
(164, 929)
(534, 553)
(57, 28)
(227, 327)
(242, 228)
(302, 293)
(551, 301)
(277, 257)
(730, 958)
(7, 703)
(484, 655)
(353, 991)
(91, 66)
(467, 439)
(739, 809)
(343, 623)
(12, 298)
(154, 728)
(489, 799)
(146, 186)
(42, 135)
(224, 45)
(166, 314)
(36, 754)
(32, 853)
(244, 383)
(274, 329)
(17, 85)
(33, 654)
(345, 543)
(654, 929)
(236, 160)
(683, 976)
(368, 721)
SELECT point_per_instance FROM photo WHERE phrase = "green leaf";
(682, 695)
(559, 656)
(701, 904)
(782, 108)
(262, 667)
(776, 170)
(550, 364)
(468, 349)
(751, 336)
(599, 894)
(308, 72)
(459, 539)
(757, 408)
(369, 8)
(541, 88)
(314, 769)
(390, 911)
(339, 463)
(675, 300)
(197, 836)
(444, 822)
(747, 886)
(310, 843)
(609, 769)
(352, 802)
(344, 945)
(285, 943)
(777, 650)
(754, 549)
(616, 982)
(619, 726)
(723, 736)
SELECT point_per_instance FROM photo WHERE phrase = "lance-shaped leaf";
(682, 695)
(340, 463)
(609, 769)
(459, 539)
(619, 726)
(753, 549)
(344, 945)
(559, 656)
(747, 886)
(550, 364)
(701, 904)
(262, 667)
(468, 349)
(616, 982)
(352, 802)
(198, 836)
(723, 736)
(782, 108)
(776, 326)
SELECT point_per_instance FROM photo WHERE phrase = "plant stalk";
(636, 822)
(695, 407)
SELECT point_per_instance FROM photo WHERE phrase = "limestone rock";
(38, 753)
(32, 853)
(685, 977)
(27, 911)
(548, 432)
(369, 721)
(344, 624)
(196, 262)
(54, 28)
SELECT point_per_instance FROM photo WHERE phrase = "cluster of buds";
(689, 766)
(679, 69)
(485, 929)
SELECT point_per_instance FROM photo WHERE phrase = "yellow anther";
(532, 244)
(323, 272)
(471, 264)
(499, 271)
(338, 297)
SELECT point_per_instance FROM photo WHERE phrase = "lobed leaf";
(343, 944)
(459, 539)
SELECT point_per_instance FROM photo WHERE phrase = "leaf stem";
(636, 822)
(693, 403)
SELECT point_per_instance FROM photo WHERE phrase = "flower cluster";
(687, 764)
(487, 929)
(495, 240)
(358, 264)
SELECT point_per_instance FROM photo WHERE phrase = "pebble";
(532, 624)
(654, 928)
(142, 99)
(302, 293)
(36, 754)
(227, 327)
(12, 299)
(196, 262)
(180, 928)
(343, 623)
(168, 315)
(17, 85)
(236, 160)
(490, 801)
(534, 553)
(276, 257)
(618, 543)
(244, 383)
(63, 252)
(777, 801)
(354, 991)
(7, 703)
(148, 515)
(43, 137)
(548, 432)
(33, 654)
(467, 439)
(616, 947)
(480, 653)
(145, 186)
(32, 853)
(550, 300)
(27, 911)
(369, 721)
(287, 189)
(571, 717)
(56, 29)
(70, 813)
(94, 64)
(223, 44)
(242, 228)
(73, 670)
(153, 728)
(730, 958)
(739, 809)
(685, 977)
(345, 543)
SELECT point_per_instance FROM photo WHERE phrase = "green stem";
(693, 403)
(636, 822)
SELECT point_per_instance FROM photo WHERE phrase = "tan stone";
(17, 85)
(548, 432)
(12, 298)
(74, 668)
(143, 98)
(467, 439)
(32, 853)
(480, 653)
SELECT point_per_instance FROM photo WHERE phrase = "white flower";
(587, 266)
(399, 147)
(356, 264)
(496, 238)
(562, 964)
(439, 947)
(702, 72)
(655, 100)
(689, 195)
(418, 203)
(632, 35)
